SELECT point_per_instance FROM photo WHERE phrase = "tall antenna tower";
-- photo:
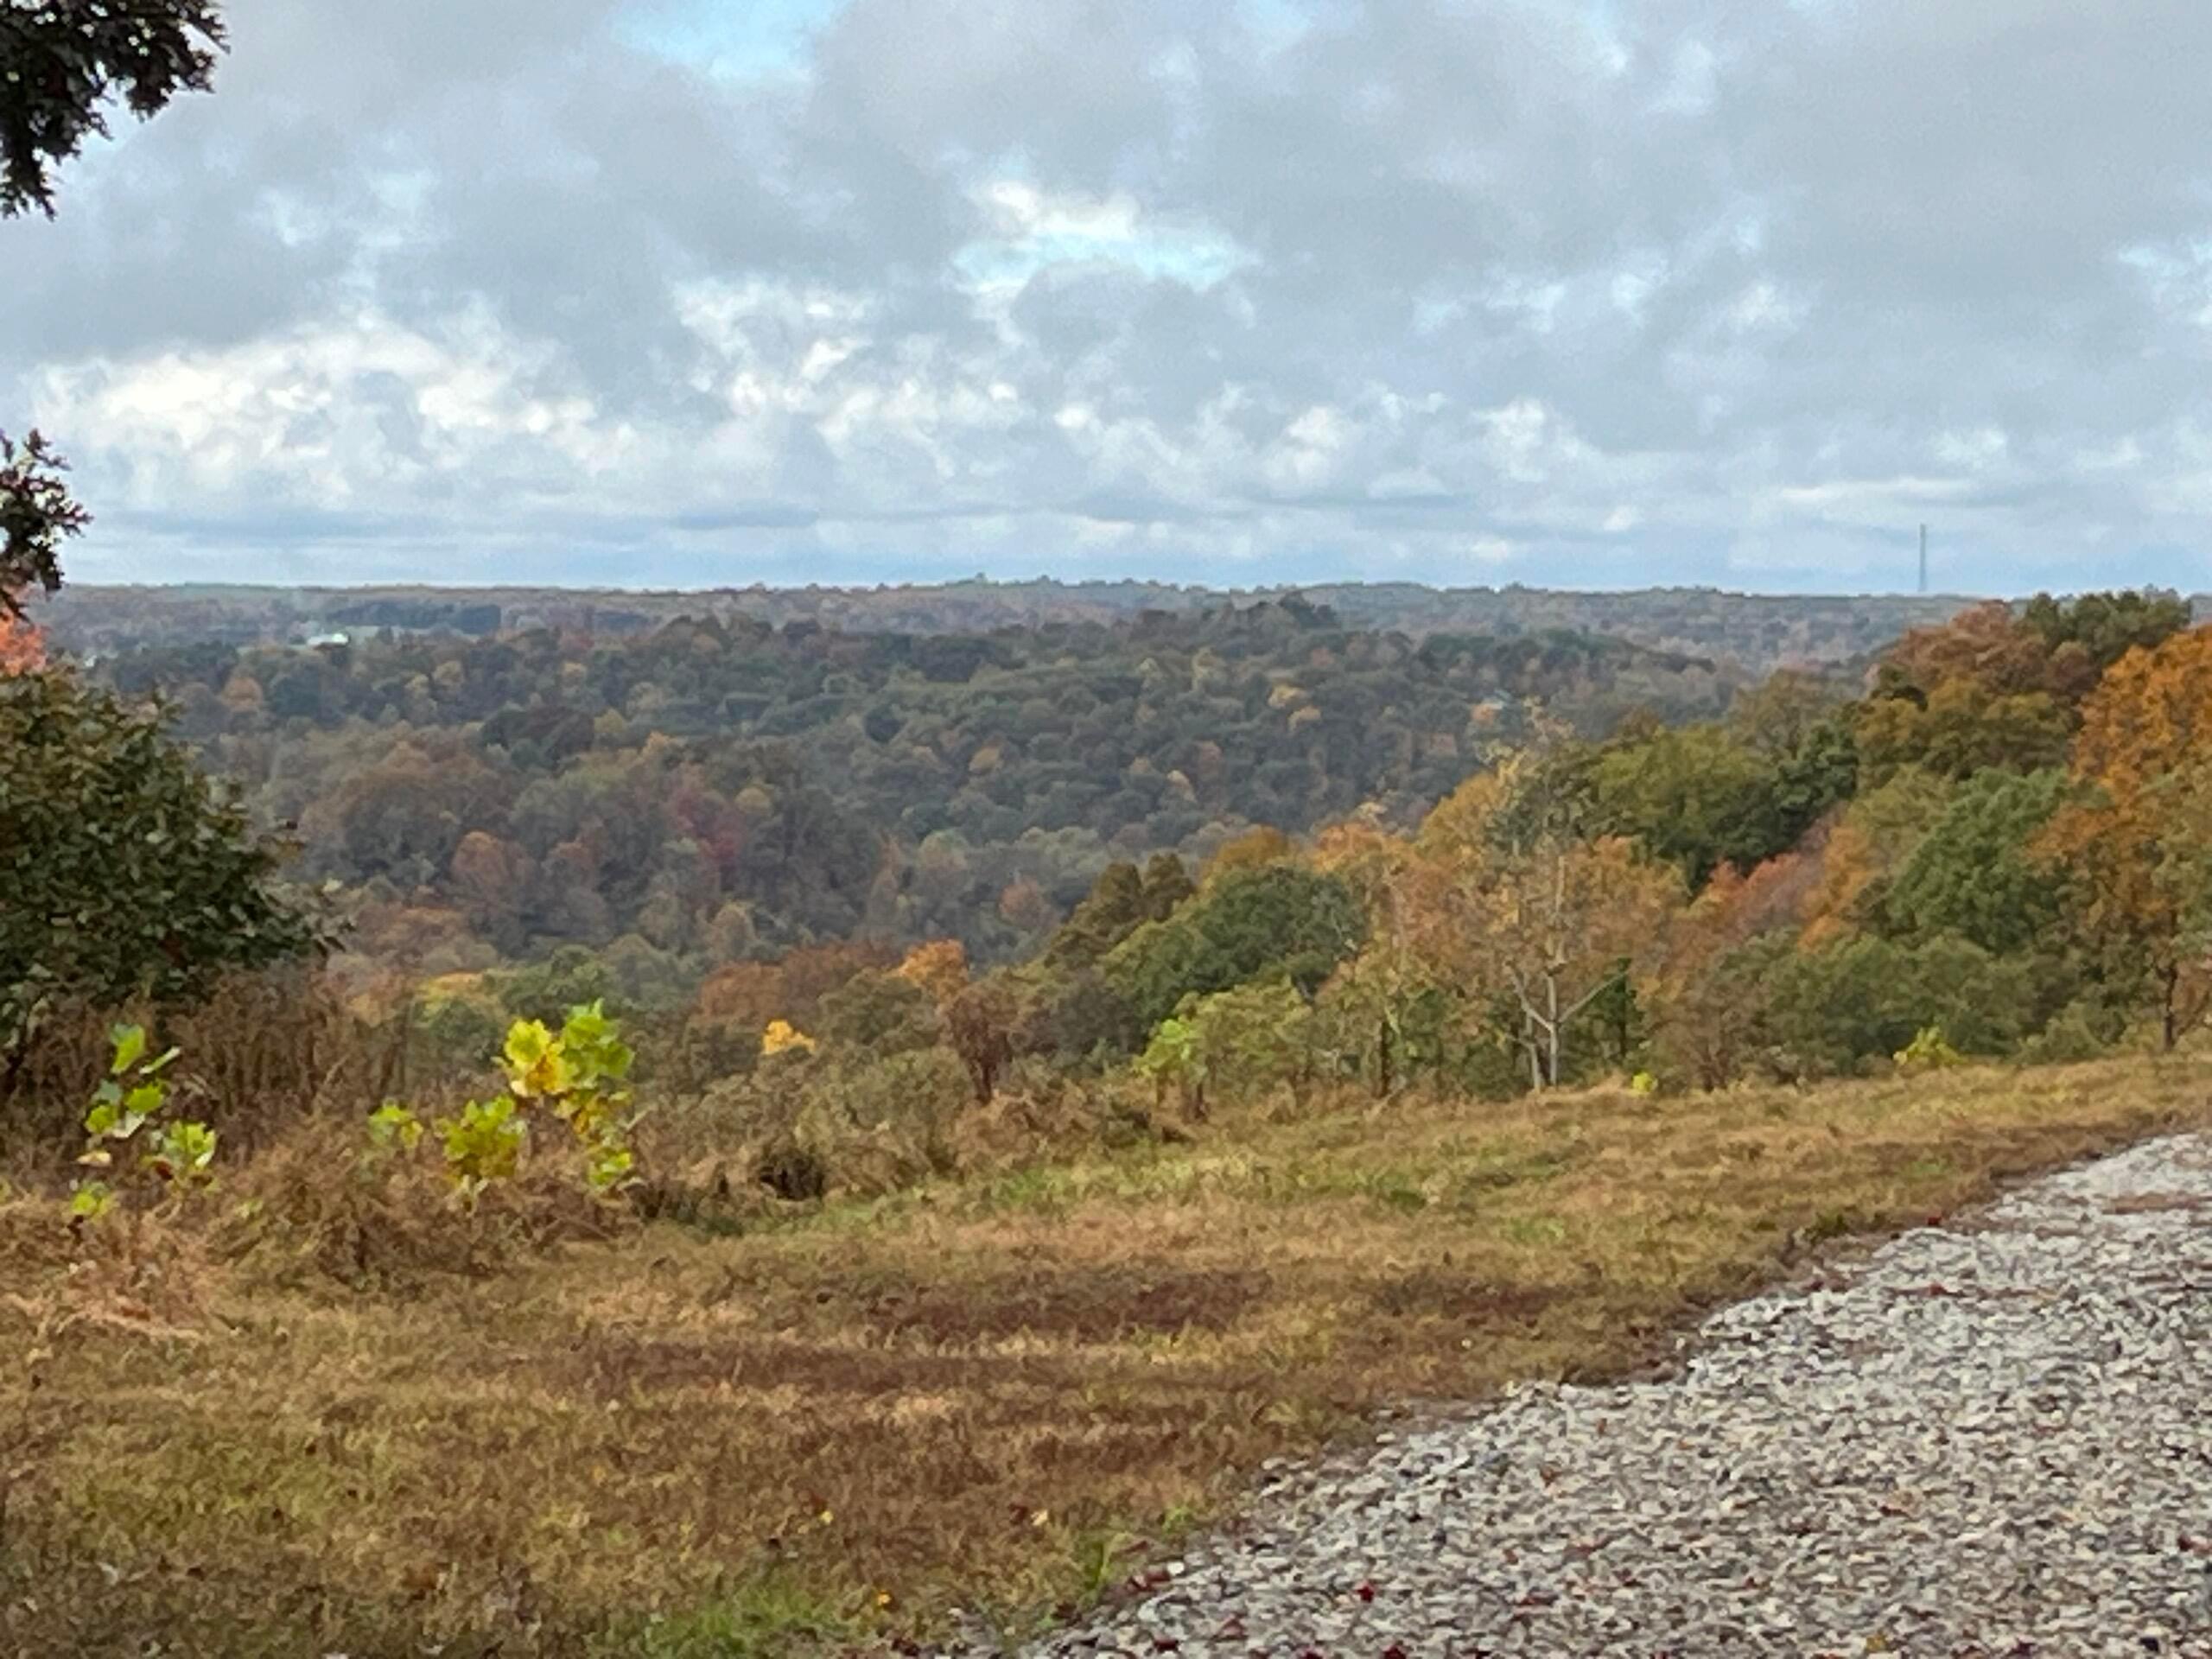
(1923, 558)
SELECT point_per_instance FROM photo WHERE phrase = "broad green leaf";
(528, 1042)
(91, 1201)
(184, 1152)
(587, 1024)
(608, 1165)
(130, 1043)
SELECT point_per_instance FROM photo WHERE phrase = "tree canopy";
(124, 870)
(1253, 849)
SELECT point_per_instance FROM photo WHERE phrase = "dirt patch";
(1438, 1293)
(901, 1338)
(1106, 1303)
(616, 1365)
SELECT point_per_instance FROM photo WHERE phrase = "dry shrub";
(322, 1204)
(1126, 1110)
(719, 1124)
(268, 1050)
(720, 1193)
(35, 1239)
(145, 1273)
(889, 1123)
(1044, 1100)
(1037, 1110)
(48, 1082)
(804, 1128)
(261, 1052)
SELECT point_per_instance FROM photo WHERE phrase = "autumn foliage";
(21, 649)
(1999, 843)
(2139, 834)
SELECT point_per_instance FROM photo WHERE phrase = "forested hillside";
(711, 790)
(1536, 856)
(1757, 631)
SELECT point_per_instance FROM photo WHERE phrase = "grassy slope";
(979, 1396)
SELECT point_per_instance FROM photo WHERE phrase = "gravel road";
(1993, 1438)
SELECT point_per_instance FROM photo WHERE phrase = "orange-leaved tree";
(938, 966)
(1983, 689)
(1710, 1016)
(2134, 836)
(21, 649)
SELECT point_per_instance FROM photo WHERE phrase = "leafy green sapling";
(125, 1133)
(580, 1073)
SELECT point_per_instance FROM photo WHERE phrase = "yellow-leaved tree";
(938, 966)
(781, 1037)
(1550, 919)
(1395, 887)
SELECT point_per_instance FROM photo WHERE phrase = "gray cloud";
(1457, 290)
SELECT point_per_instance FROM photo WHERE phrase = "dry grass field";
(834, 1428)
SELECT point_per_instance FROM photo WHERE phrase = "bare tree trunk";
(1551, 1026)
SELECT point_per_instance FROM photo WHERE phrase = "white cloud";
(1979, 450)
(1632, 288)
(1763, 306)
(1529, 442)
(1032, 229)
(328, 417)
(1692, 80)
(1665, 292)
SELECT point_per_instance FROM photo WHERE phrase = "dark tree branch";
(37, 514)
(61, 61)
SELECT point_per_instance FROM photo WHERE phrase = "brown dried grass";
(837, 1426)
(321, 1207)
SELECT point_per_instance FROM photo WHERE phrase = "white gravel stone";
(1993, 1438)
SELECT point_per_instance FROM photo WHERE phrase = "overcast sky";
(1592, 292)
